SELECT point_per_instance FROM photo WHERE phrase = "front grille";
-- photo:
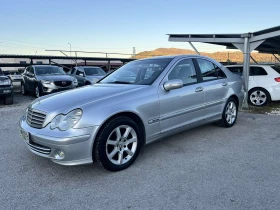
(39, 148)
(62, 83)
(35, 118)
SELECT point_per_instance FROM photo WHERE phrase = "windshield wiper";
(119, 82)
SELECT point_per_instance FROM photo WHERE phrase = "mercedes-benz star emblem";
(63, 83)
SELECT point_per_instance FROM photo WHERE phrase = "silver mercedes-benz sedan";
(139, 103)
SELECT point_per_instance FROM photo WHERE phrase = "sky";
(33, 26)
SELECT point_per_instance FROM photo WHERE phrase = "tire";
(258, 97)
(110, 142)
(230, 113)
(8, 100)
(37, 91)
(23, 90)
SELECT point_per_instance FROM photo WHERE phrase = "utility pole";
(134, 52)
(70, 54)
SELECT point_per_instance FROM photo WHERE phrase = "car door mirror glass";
(173, 84)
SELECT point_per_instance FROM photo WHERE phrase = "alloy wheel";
(258, 98)
(121, 144)
(231, 113)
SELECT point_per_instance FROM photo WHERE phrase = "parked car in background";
(14, 75)
(6, 89)
(109, 121)
(87, 75)
(45, 79)
(264, 83)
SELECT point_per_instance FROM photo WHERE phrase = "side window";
(207, 69)
(185, 71)
(236, 70)
(31, 69)
(27, 70)
(73, 71)
(210, 71)
(257, 71)
(220, 74)
(78, 72)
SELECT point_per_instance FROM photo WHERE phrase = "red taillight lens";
(277, 79)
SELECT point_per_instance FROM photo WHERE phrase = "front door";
(183, 106)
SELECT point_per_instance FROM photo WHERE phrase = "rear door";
(215, 85)
(32, 79)
(26, 78)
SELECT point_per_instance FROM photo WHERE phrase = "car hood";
(66, 101)
(55, 77)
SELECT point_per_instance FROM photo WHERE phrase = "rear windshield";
(276, 68)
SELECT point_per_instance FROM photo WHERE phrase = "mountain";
(233, 56)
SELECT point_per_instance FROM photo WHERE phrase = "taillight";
(277, 79)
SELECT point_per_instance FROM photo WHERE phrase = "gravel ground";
(205, 168)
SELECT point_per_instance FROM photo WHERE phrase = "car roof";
(177, 56)
(256, 65)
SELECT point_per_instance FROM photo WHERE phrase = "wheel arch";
(235, 97)
(129, 114)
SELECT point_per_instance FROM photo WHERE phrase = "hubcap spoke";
(129, 152)
(112, 142)
(118, 132)
(120, 157)
(112, 154)
(129, 141)
(127, 131)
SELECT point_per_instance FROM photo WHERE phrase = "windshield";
(48, 70)
(276, 68)
(141, 72)
(94, 72)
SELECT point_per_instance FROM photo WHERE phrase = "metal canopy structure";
(265, 41)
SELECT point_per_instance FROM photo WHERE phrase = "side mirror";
(173, 84)
(81, 75)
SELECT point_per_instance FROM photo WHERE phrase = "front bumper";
(6, 90)
(76, 144)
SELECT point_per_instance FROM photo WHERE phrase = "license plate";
(24, 135)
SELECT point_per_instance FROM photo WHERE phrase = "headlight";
(46, 82)
(65, 122)
(5, 82)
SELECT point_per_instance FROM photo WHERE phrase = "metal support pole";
(109, 65)
(50, 61)
(276, 57)
(194, 48)
(246, 68)
(85, 62)
(253, 59)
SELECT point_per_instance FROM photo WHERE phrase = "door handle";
(224, 84)
(199, 89)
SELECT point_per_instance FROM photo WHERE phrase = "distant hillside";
(219, 56)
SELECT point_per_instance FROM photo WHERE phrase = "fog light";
(59, 154)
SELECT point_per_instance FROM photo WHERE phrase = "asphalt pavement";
(204, 168)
